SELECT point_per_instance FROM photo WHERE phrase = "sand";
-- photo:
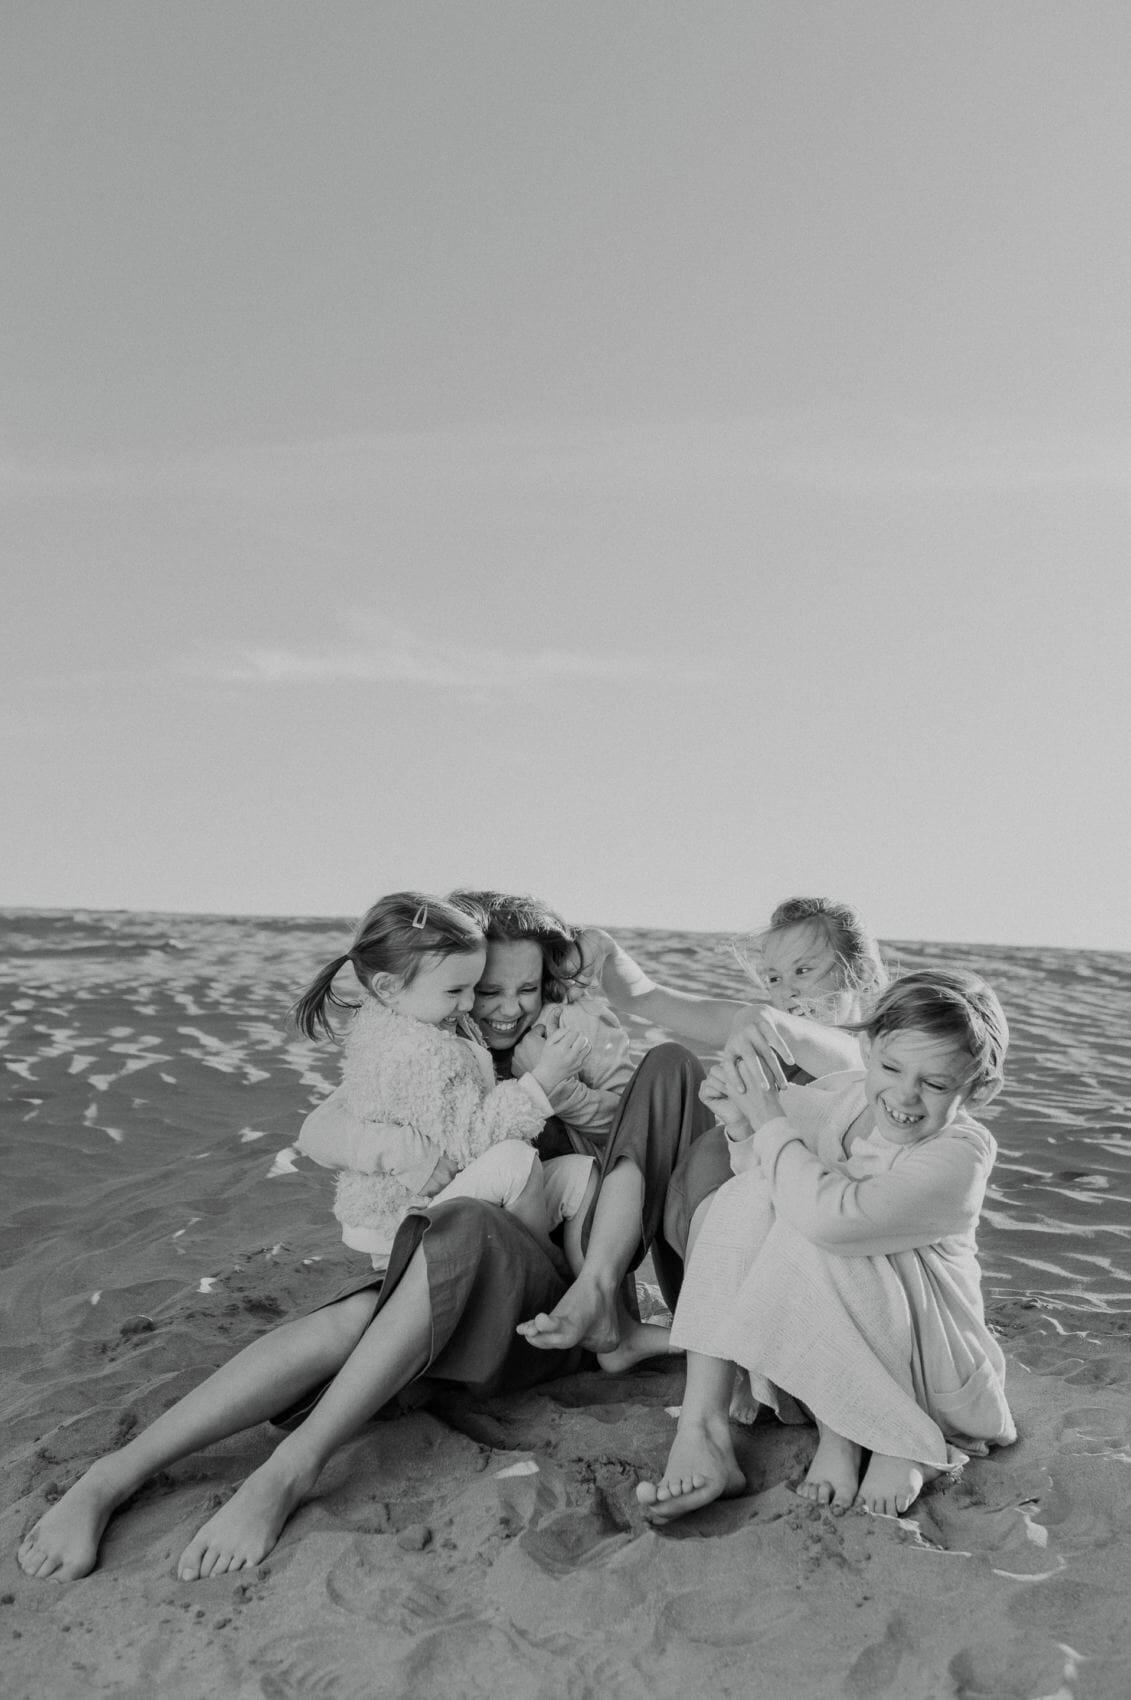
(156, 1220)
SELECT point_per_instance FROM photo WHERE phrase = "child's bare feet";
(64, 1543)
(834, 1474)
(701, 1467)
(891, 1485)
(638, 1341)
(586, 1315)
(244, 1530)
(744, 1407)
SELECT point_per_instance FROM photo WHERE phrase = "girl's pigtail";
(310, 1012)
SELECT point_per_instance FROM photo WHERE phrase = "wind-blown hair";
(856, 947)
(947, 1003)
(393, 937)
(506, 919)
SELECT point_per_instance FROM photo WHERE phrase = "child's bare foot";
(586, 1315)
(244, 1530)
(834, 1474)
(744, 1407)
(891, 1485)
(638, 1341)
(701, 1467)
(64, 1543)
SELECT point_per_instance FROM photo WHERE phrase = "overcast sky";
(664, 457)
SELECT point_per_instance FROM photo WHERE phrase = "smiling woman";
(472, 1295)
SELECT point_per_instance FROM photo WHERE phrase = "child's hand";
(562, 1055)
(715, 1094)
(527, 1054)
(442, 1175)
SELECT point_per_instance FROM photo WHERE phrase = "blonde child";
(840, 1267)
(817, 964)
(420, 1085)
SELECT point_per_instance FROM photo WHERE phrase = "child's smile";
(915, 1084)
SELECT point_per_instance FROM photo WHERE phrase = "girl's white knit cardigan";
(443, 1085)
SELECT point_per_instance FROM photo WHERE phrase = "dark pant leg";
(659, 1120)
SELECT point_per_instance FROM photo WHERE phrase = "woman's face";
(509, 994)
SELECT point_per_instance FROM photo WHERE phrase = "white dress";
(851, 1283)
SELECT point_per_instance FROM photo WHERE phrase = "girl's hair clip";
(420, 919)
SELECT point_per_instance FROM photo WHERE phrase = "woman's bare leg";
(701, 1465)
(389, 1354)
(261, 1380)
(264, 1378)
(587, 1313)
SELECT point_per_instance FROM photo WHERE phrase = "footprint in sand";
(716, 1617)
(585, 1535)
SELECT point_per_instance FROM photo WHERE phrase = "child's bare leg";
(701, 1465)
(571, 1228)
(530, 1206)
(891, 1485)
(586, 1315)
(262, 1379)
(388, 1355)
(834, 1474)
(744, 1407)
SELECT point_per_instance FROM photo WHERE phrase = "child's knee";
(506, 1170)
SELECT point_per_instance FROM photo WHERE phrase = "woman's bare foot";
(586, 1315)
(244, 1530)
(638, 1341)
(744, 1407)
(834, 1474)
(701, 1467)
(891, 1485)
(64, 1543)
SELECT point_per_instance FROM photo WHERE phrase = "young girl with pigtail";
(421, 1087)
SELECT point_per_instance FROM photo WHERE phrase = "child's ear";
(985, 1093)
(384, 985)
(865, 1046)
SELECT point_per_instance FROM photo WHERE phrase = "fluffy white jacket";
(400, 1071)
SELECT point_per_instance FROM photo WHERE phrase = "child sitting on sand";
(840, 1267)
(421, 1085)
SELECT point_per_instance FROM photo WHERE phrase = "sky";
(665, 458)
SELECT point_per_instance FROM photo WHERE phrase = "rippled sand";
(156, 1218)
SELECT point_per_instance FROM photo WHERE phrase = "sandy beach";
(156, 1218)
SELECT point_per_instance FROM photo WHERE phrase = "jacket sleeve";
(336, 1137)
(515, 1109)
(935, 1190)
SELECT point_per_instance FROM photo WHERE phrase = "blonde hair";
(853, 942)
(947, 1003)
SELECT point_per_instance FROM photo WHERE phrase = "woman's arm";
(629, 989)
(759, 1031)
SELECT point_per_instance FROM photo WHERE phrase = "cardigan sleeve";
(934, 1190)
(336, 1137)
